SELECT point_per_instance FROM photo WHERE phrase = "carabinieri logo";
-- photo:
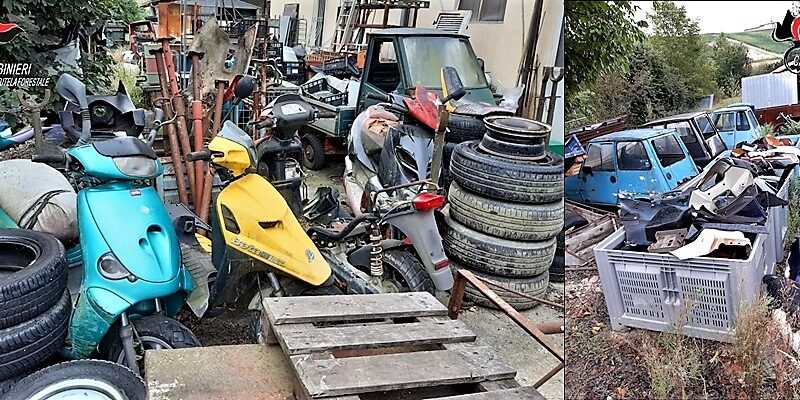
(8, 31)
(789, 30)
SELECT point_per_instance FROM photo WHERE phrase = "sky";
(727, 16)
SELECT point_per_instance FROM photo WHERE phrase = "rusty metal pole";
(175, 149)
(208, 182)
(179, 107)
(197, 122)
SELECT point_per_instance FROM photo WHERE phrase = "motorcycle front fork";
(126, 334)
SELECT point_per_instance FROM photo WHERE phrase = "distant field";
(761, 39)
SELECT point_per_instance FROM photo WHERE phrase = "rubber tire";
(514, 221)
(317, 147)
(110, 373)
(496, 256)
(447, 154)
(36, 288)
(410, 268)
(462, 128)
(7, 384)
(492, 145)
(23, 347)
(557, 268)
(172, 332)
(574, 220)
(502, 179)
(533, 286)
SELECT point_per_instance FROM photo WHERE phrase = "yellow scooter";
(254, 234)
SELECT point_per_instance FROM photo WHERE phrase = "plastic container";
(654, 291)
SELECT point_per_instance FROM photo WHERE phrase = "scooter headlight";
(111, 268)
(138, 167)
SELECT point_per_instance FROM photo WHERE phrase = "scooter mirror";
(482, 64)
(451, 82)
(72, 90)
(244, 87)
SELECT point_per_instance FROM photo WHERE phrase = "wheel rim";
(145, 343)
(84, 389)
(308, 151)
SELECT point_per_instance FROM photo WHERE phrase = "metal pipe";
(175, 149)
(197, 123)
(208, 181)
(548, 375)
(179, 106)
(550, 328)
(463, 276)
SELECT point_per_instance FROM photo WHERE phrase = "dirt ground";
(607, 364)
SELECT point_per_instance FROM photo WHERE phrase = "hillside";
(761, 39)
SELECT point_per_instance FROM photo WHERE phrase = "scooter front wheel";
(153, 333)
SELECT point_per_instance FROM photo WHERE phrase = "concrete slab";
(249, 372)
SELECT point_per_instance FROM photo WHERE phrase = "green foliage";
(731, 65)
(45, 23)
(599, 36)
(766, 130)
(582, 112)
(760, 38)
(766, 67)
(678, 43)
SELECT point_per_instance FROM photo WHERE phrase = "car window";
(600, 157)
(742, 124)
(706, 127)
(724, 122)
(631, 156)
(668, 150)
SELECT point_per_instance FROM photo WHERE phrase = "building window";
(484, 10)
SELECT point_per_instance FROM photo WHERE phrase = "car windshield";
(427, 56)
(707, 128)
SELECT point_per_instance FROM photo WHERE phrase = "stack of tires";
(505, 209)
(35, 305)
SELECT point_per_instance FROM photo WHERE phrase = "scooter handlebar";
(326, 114)
(202, 155)
(267, 123)
(50, 158)
(380, 97)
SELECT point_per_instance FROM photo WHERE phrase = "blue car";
(634, 163)
(736, 123)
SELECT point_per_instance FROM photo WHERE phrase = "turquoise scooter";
(133, 282)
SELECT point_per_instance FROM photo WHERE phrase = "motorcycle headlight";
(139, 167)
(111, 268)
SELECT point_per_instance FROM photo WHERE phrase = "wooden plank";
(325, 377)
(288, 310)
(306, 338)
(522, 393)
(501, 384)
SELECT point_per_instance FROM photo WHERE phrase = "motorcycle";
(132, 282)
(387, 185)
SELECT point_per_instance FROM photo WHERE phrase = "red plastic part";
(427, 201)
(423, 107)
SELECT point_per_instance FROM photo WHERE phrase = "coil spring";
(376, 255)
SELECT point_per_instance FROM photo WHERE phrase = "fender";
(421, 228)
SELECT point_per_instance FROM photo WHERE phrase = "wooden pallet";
(399, 345)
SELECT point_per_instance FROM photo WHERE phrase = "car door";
(598, 176)
(674, 164)
(726, 125)
(635, 170)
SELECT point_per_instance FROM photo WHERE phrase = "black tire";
(155, 327)
(497, 256)
(533, 286)
(42, 276)
(447, 154)
(557, 268)
(121, 379)
(515, 221)
(492, 145)
(574, 220)
(462, 128)
(7, 384)
(509, 180)
(406, 269)
(313, 151)
(23, 347)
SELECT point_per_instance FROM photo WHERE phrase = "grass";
(761, 39)
(754, 339)
(727, 101)
(793, 222)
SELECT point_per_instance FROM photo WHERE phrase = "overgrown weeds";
(754, 339)
(673, 363)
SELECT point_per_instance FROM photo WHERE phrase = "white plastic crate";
(653, 291)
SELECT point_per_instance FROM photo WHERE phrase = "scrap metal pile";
(719, 212)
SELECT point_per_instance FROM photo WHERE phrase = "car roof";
(633, 135)
(736, 107)
(416, 32)
(675, 118)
